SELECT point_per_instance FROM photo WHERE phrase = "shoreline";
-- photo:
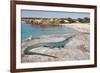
(76, 49)
(81, 27)
(85, 27)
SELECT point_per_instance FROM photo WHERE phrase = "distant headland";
(54, 21)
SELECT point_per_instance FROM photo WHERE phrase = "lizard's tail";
(27, 52)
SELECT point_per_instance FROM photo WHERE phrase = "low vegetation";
(54, 21)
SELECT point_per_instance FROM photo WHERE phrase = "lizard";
(60, 44)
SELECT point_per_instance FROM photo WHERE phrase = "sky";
(53, 14)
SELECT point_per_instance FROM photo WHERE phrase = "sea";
(36, 30)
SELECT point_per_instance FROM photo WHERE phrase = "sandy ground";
(79, 26)
(76, 49)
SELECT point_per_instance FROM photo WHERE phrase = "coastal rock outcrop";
(76, 49)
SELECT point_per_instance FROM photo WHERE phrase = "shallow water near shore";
(35, 30)
(77, 48)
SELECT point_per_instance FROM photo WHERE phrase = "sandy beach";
(76, 49)
(81, 27)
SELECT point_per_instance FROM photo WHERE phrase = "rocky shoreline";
(76, 49)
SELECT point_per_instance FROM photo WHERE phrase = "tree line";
(61, 20)
(78, 20)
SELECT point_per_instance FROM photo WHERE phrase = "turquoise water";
(34, 30)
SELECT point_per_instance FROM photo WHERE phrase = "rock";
(76, 49)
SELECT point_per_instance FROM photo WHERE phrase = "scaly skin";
(60, 44)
